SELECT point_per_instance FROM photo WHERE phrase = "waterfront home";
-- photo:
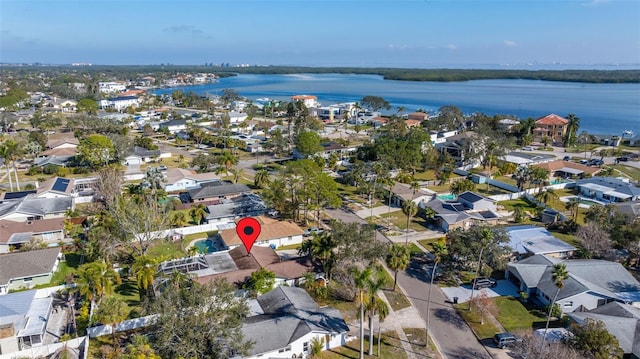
(307, 100)
(552, 127)
(119, 103)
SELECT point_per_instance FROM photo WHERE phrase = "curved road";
(451, 333)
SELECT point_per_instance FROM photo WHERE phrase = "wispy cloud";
(397, 47)
(594, 3)
(510, 43)
(185, 29)
(452, 47)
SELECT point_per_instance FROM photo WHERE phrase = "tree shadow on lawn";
(129, 290)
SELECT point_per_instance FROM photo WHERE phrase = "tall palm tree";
(96, 279)
(439, 250)
(4, 153)
(180, 219)
(320, 247)
(360, 278)
(145, 269)
(9, 151)
(572, 206)
(572, 129)
(198, 213)
(373, 304)
(397, 260)
(559, 274)
(410, 209)
(261, 179)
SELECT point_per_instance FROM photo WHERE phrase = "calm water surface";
(602, 108)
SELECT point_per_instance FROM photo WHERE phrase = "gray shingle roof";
(36, 206)
(289, 314)
(27, 264)
(218, 189)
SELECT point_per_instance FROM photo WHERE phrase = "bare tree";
(529, 347)
(485, 305)
(595, 239)
(140, 221)
(109, 185)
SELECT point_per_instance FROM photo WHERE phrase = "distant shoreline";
(400, 74)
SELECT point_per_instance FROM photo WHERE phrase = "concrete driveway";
(504, 288)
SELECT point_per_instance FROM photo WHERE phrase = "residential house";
(552, 127)
(286, 320)
(174, 126)
(567, 169)
(412, 123)
(308, 100)
(402, 192)
(20, 270)
(14, 234)
(273, 233)
(608, 189)
(439, 137)
(237, 117)
(236, 266)
(67, 142)
(418, 116)
(217, 190)
(591, 283)
(379, 121)
(23, 320)
(132, 92)
(522, 158)
(507, 123)
(119, 103)
(33, 208)
(468, 208)
(629, 209)
(227, 210)
(141, 155)
(112, 86)
(179, 179)
(621, 320)
(462, 148)
(527, 241)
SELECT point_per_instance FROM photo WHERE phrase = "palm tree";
(227, 160)
(198, 213)
(112, 311)
(96, 279)
(546, 195)
(145, 269)
(9, 151)
(559, 274)
(439, 250)
(237, 174)
(410, 209)
(320, 247)
(397, 260)
(261, 179)
(572, 129)
(180, 219)
(373, 304)
(572, 206)
(401, 110)
(360, 278)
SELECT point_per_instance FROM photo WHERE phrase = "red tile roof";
(552, 119)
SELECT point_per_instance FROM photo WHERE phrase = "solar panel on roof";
(60, 185)
(14, 195)
(459, 207)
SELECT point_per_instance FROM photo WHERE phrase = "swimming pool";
(205, 246)
(447, 196)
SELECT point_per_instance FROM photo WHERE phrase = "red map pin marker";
(248, 229)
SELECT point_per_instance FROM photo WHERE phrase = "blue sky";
(397, 33)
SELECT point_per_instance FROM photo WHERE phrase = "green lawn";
(127, 291)
(483, 331)
(390, 347)
(400, 220)
(428, 243)
(429, 175)
(164, 250)
(569, 238)
(396, 298)
(520, 202)
(290, 246)
(628, 170)
(70, 264)
(513, 315)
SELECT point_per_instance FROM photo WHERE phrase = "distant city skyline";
(359, 33)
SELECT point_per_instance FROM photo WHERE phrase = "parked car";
(503, 340)
(528, 148)
(311, 230)
(484, 282)
(595, 162)
(623, 159)
(566, 158)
